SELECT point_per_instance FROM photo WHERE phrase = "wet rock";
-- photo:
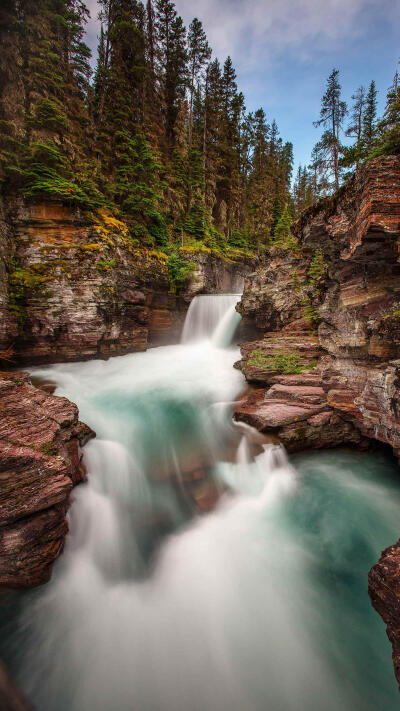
(384, 591)
(40, 462)
(11, 698)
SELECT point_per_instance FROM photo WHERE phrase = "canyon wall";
(75, 286)
(325, 368)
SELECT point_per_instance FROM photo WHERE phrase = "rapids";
(260, 605)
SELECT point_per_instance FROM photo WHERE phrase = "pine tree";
(283, 237)
(369, 125)
(122, 69)
(171, 36)
(333, 112)
(49, 150)
(355, 128)
(199, 53)
(388, 128)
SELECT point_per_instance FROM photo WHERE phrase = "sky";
(284, 50)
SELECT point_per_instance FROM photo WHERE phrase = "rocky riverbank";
(326, 370)
(40, 463)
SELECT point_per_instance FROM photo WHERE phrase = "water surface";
(260, 605)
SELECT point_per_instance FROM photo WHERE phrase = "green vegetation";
(310, 312)
(286, 361)
(283, 237)
(296, 282)
(160, 136)
(317, 267)
(105, 264)
(179, 268)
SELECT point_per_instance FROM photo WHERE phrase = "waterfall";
(211, 315)
(259, 605)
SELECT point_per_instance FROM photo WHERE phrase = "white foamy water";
(257, 606)
(211, 315)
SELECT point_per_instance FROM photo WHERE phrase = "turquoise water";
(259, 605)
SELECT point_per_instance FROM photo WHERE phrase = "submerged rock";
(40, 463)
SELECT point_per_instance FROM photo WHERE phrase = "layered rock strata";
(40, 462)
(341, 280)
(384, 591)
(78, 288)
(75, 285)
(292, 407)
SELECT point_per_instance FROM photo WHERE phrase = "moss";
(105, 265)
(49, 448)
(158, 255)
(91, 247)
(286, 361)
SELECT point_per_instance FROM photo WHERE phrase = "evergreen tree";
(161, 135)
(171, 36)
(355, 128)
(199, 53)
(48, 156)
(333, 112)
(369, 119)
(283, 237)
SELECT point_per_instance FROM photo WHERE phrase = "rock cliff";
(328, 311)
(341, 281)
(78, 288)
(74, 285)
(40, 462)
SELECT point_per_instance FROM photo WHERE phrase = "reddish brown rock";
(11, 698)
(384, 591)
(39, 464)
(304, 346)
(356, 299)
(297, 413)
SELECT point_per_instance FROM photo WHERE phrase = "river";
(258, 605)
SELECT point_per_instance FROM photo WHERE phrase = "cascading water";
(258, 606)
(211, 314)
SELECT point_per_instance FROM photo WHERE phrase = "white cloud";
(255, 31)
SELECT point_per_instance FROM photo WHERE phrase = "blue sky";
(283, 51)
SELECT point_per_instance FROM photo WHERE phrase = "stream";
(159, 605)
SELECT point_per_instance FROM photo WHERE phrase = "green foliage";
(138, 189)
(296, 282)
(310, 313)
(105, 265)
(317, 267)
(48, 113)
(180, 269)
(286, 361)
(283, 237)
(161, 135)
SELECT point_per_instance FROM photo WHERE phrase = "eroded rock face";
(214, 274)
(355, 296)
(74, 285)
(79, 289)
(352, 302)
(384, 591)
(40, 462)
